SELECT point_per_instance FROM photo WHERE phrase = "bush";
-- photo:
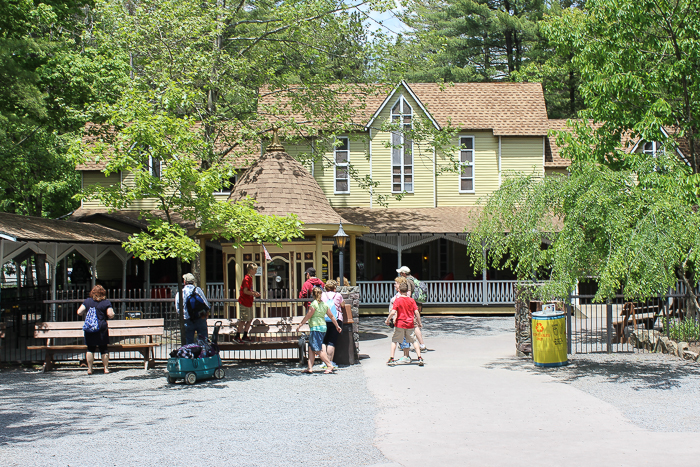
(684, 331)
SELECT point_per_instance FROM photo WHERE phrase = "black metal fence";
(608, 327)
(20, 314)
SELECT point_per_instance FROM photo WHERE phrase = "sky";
(386, 21)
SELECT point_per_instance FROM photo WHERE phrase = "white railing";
(444, 292)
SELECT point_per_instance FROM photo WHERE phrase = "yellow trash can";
(549, 338)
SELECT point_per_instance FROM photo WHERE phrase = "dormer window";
(652, 148)
(402, 148)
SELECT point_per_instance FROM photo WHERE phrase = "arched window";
(402, 148)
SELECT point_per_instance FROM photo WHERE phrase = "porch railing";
(444, 292)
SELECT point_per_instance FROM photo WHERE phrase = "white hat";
(403, 269)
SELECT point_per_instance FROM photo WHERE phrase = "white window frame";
(151, 166)
(656, 147)
(405, 110)
(345, 165)
(466, 164)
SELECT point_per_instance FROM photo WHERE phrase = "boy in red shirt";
(245, 304)
(403, 314)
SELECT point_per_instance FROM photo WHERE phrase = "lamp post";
(341, 238)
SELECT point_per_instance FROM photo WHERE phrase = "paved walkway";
(474, 404)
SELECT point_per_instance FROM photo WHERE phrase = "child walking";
(403, 314)
(317, 322)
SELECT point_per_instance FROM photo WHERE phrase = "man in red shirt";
(403, 314)
(307, 290)
(246, 312)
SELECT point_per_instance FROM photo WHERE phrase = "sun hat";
(403, 269)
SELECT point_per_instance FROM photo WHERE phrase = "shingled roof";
(508, 109)
(38, 229)
(444, 219)
(280, 185)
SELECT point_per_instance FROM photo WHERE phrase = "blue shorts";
(316, 340)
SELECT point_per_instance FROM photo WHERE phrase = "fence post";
(608, 323)
(568, 325)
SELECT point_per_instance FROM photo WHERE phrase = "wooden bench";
(117, 328)
(267, 333)
(633, 314)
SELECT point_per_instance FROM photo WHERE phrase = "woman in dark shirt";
(100, 338)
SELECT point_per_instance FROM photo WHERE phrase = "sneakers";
(404, 360)
(236, 340)
(391, 362)
(420, 361)
(324, 366)
(246, 339)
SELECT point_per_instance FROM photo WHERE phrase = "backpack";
(331, 306)
(420, 294)
(196, 307)
(91, 323)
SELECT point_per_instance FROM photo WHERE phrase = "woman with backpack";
(335, 302)
(317, 311)
(97, 310)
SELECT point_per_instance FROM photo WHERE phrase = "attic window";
(652, 148)
(402, 148)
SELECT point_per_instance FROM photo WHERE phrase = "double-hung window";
(154, 166)
(401, 148)
(341, 157)
(466, 164)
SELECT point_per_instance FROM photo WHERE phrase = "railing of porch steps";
(444, 292)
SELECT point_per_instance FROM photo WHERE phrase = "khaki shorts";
(246, 313)
(401, 333)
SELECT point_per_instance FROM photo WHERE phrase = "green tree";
(50, 76)
(472, 40)
(627, 218)
(197, 71)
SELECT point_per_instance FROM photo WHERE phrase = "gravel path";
(263, 414)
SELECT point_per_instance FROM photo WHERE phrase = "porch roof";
(38, 229)
(444, 219)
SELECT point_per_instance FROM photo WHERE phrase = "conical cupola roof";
(280, 185)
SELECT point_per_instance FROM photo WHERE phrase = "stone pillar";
(351, 296)
(523, 332)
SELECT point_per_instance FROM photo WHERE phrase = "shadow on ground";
(640, 371)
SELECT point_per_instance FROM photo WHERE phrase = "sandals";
(329, 371)
(307, 371)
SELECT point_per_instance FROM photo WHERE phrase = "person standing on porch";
(404, 271)
(192, 323)
(308, 287)
(246, 311)
(98, 310)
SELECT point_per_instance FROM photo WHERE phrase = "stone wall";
(351, 295)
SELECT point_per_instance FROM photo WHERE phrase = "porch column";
(318, 263)
(93, 267)
(398, 250)
(125, 260)
(203, 265)
(54, 268)
(147, 293)
(353, 260)
(240, 271)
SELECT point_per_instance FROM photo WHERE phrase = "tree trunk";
(181, 305)
(41, 270)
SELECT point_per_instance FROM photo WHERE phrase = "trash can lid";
(547, 314)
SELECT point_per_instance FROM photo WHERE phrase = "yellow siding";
(95, 177)
(522, 154)
(423, 160)
(486, 179)
(324, 174)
